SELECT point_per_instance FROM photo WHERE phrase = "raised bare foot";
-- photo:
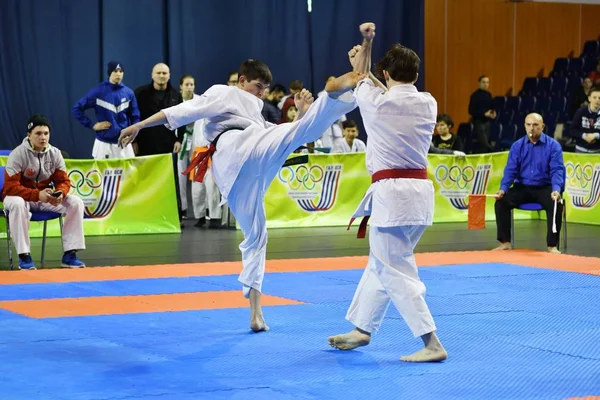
(340, 85)
(350, 340)
(553, 250)
(427, 355)
(502, 246)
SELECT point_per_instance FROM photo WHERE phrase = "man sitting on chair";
(32, 169)
(535, 169)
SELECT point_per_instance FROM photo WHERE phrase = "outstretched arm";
(363, 57)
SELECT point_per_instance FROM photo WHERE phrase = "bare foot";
(258, 324)
(502, 246)
(351, 340)
(340, 85)
(553, 250)
(257, 321)
(427, 355)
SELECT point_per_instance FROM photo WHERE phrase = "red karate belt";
(201, 163)
(387, 174)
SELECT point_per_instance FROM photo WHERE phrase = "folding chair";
(40, 216)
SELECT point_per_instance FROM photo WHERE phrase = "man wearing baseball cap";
(116, 108)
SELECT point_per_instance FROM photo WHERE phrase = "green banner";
(125, 196)
(326, 191)
(323, 192)
(583, 187)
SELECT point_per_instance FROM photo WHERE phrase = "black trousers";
(482, 131)
(520, 194)
(178, 193)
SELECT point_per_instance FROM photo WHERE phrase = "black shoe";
(201, 222)
(184, 215)
(214, 223)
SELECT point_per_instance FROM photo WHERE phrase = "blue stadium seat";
(591, 48)
(561, 66)
(527, 104)
(498, 103)
(507, 138)
(542, 105)
(519, 118)
(464, 132)
(512, 103)
(529, 86)
(575, 67)
(573, 84)
(505, 117)
(558, 105)
(495, 132)
(543, 87)
(589, 64)
(550, 120)
(559, 86)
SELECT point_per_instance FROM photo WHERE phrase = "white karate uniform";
(248, 158)
(205, 194)
(19, 214)
(333, 137)
(104, 151)
(183, 160)
(399, 124)
(358, 146)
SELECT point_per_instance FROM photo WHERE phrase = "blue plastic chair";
(39, 216)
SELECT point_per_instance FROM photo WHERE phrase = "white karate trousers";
(391, 274)
(103, 151)
(273, 146)
(19, 215)
(206, 195)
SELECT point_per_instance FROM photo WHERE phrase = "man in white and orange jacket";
(36, 180)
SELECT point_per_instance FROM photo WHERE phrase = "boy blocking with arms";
(399, 121)
(247, 152)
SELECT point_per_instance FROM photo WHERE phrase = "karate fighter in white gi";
(249, 152)
(399, 122)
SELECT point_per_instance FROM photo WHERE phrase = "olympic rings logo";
(85, 185)
(301, 177)
(578, 175)
(454, 176)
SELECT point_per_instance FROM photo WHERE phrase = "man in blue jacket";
(116, 108)
(534, 173)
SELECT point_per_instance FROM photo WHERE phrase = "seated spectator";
(585, 127)
(595, 75)
(36, 180)
(580, 97)
(296, 86)
(444, 138)
(534, 173)
(351, 143)
(271, 98)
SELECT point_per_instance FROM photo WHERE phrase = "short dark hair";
(594, 89)
(277, 88)
(401, 63)
(255, 69)
(183, 78)
(481, 77)
(349, 124)
(296, 85)
(37, 120)
(445, 118)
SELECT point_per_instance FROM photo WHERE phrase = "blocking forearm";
(363, 58)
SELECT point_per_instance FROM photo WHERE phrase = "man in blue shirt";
(116, 108)
(536, 171)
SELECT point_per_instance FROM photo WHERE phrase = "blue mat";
(512, 333)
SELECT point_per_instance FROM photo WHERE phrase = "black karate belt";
(296, 160)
